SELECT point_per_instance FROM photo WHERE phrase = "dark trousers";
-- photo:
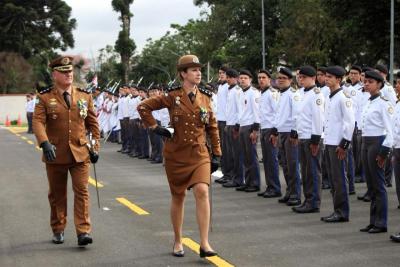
(336, 169)
(396, 168)
(324, 169)
(152, 136)
(29, 116)
(125, 133)
(375, 180)
(388, 169)
(356, 145)
(136, 137)
(234, 164)
(350, 168)
(221, 130)
(270, 162)
(131, 137)
(143, 141)
(251, 167)
(156, 145)
(310, 174)
(290, 164)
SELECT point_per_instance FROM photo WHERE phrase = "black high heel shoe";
(179, 253)
(210, 253)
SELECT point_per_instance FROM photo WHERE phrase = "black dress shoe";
(126, 151)
(389, 185)
(220, 180)
(230, 184)
(252, 189)
(377, 230)
(324, 217)
(335, 218)
(367, 228)
(305, 209)
(325, 186)
(209, 253)
(359, 179)
(367, 198)
(395, 237)
(156, 161)
(58, 238)
(283, 199)
(353, 192)
(143, 157)
(272, 194)
(241, 188)
(293, 202)
(84, 239)
(260, 194)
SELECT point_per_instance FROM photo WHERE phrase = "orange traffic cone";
(19, 121)
(7, 123)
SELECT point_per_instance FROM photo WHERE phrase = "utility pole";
(263, 33)
(391, 40)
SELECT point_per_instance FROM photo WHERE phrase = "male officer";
(222, 96)
(234, 160)
(268, 106)
(249, 121)
(339, 127)
(309, 126)
(30, 107)
(63, 114)
(285, 124)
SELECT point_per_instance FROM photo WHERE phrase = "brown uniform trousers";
(66, 129)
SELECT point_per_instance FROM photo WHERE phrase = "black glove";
(49, 151)
(94, 157)
(215, 160)
(162, 131)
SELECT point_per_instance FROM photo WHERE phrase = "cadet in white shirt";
(396, 149)
(133, 101)
(155, 139)
(234, 159)
(249, 121)
(338, 131)
(285, 125)
(123, 105)
(30, 108)
(222, 96)
(309, 127)
(377, 140)
(268, 108)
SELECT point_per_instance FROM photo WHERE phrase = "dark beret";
(382, 68)
(374, 75)
(286, 71)
(265, 72)
(398, 75)
(322, 69)
(246, 72)
(308, 71)
(337, 71)
(365, 69)
(357, 68)
(141, 88)
(223, 68)
(232, 73)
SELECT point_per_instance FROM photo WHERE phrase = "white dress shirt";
(396, 126)
(285, 119)
(339, 118)
(377, 119)
(164, 117)
(249, 111)
(268, 106)
(232, 108)
(388, 92)
(310, 116)
(222, 97)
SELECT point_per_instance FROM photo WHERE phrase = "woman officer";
(187, 160)
(377, 139)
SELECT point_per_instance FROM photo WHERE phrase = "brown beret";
(188, 61)
(62, 64)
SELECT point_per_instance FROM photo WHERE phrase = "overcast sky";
(98, 24)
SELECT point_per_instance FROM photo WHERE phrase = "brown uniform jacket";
(185, 118)
(66, 128)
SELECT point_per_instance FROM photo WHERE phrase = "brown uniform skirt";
(187, 168)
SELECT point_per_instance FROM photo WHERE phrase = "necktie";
(67, 99)
(192, 97)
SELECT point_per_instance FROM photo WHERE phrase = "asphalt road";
(247, 230)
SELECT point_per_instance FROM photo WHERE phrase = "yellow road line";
(24, 138)
(93, 182)
(216, 260)
(17, 134)
(17, 129)
(132, 206)
(38, 148)
(29, 142)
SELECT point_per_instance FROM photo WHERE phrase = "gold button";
(187, 123)
(70, 121)
(184, 139)
(188, 115)
(191, 132)
(191, 140)
(69, 130)
(192, 124)
(194, 116)
(185, 131)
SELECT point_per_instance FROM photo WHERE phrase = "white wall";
(12, 105)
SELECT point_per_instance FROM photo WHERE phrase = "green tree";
(15, 74)
(124, 45)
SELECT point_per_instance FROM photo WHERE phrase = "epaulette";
(383, 98)
(388, 83)
(293, 90)
(173, 88)
(205, 91)
(317, 90)
(86, 90)
(346, 94)
(273, 90)
(44, 90)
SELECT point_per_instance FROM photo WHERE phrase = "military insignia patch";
(177, 100)
(353, 93)
(54, 116)
(390, 110)
(296, 98)
(348, 104)
(317, 90)
(65, 61)
(319, 101)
